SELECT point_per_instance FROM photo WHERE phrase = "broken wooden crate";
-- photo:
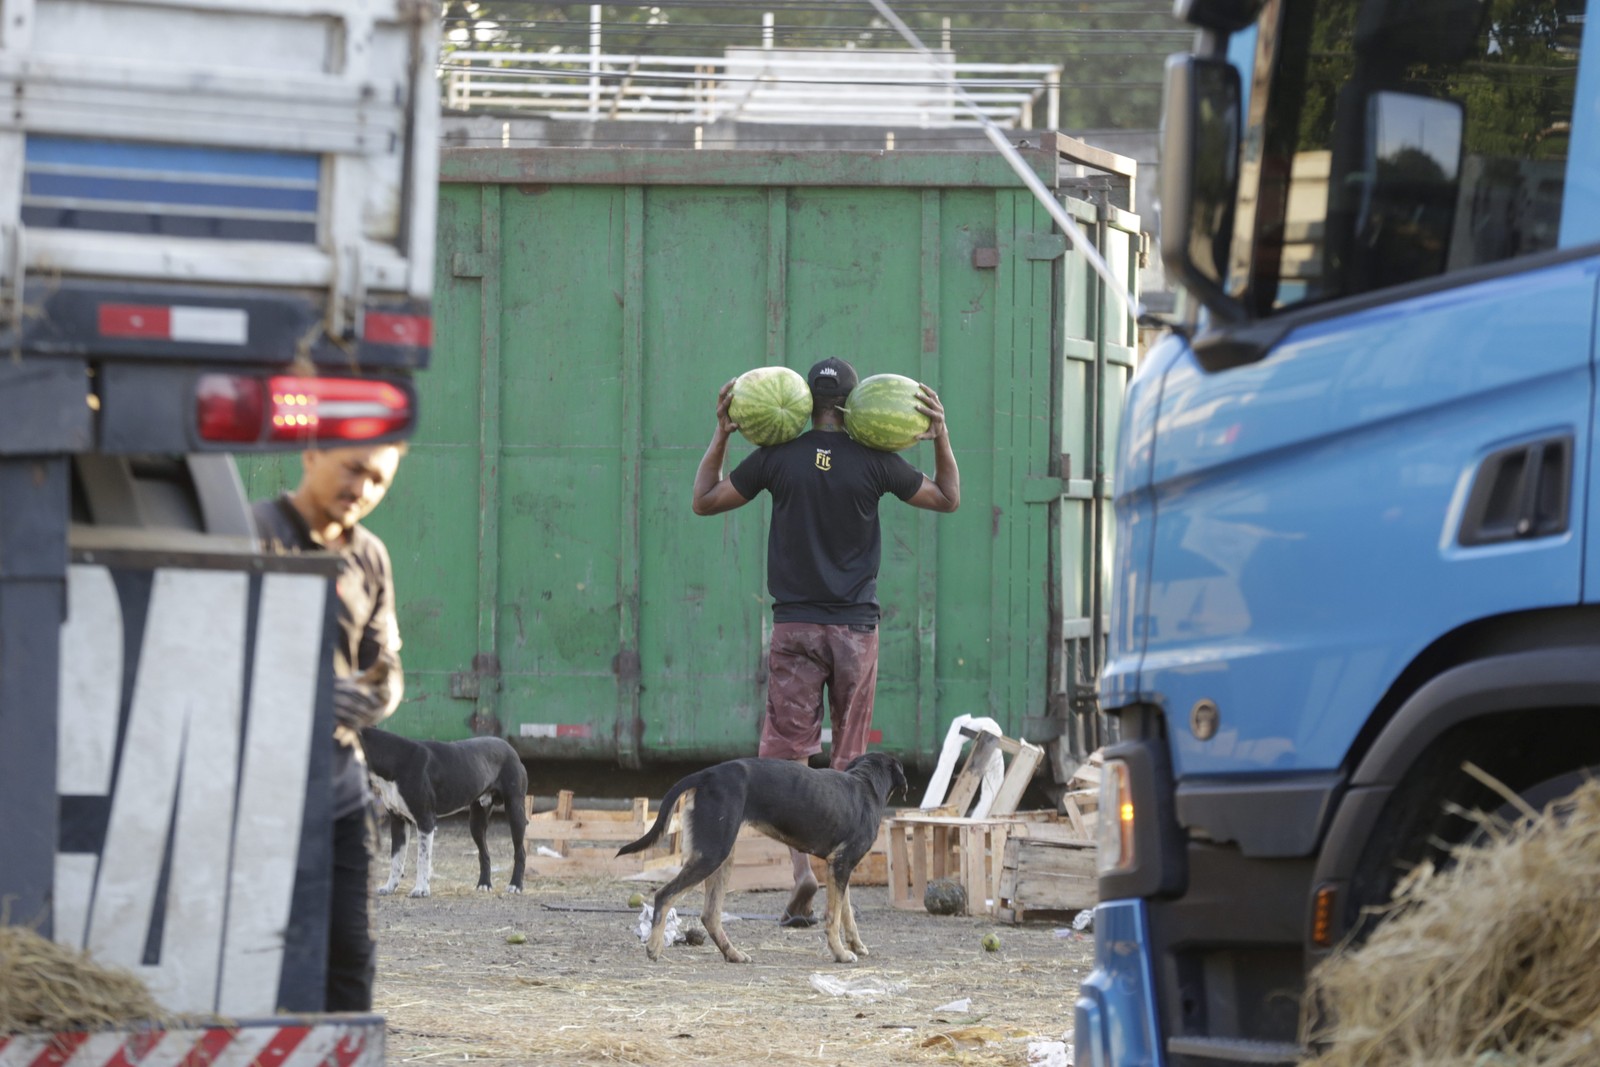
(759, 862)
(587, 839)
(1047, 870)
(1080, 803)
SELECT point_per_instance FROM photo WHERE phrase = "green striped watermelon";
(770, 404)
(881, 412)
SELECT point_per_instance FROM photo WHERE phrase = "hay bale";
(49, 987)
(1493, 960)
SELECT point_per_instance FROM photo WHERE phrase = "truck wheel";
(1551, 796)
(1433, 811)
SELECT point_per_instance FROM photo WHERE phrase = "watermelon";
(881, 412)
(770, 404)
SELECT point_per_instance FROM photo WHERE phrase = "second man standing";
(823, 551)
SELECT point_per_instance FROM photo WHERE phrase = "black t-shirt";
(824, 545)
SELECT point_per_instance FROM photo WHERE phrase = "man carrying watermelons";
(823, 550)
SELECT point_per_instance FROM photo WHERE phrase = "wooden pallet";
(1046, 871)
(587, 839)
(760, 863)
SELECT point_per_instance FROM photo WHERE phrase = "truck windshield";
(1392, 140)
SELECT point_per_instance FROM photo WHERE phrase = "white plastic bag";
(647, 916)
(866, 986)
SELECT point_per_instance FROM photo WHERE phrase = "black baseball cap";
(831, 377)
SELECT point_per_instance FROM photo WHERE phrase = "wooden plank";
(584, 863)
(899, 873)
(586, 828)
(1054, 833)
(563, 811)
(1069, 808)
(1018, 775)
(595, 816)
(1037, 858)
(1057, 893)
(1087, 773)
(921, 845)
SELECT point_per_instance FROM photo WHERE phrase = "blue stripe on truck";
(128, 187)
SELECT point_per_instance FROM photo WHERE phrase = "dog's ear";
(898, 774)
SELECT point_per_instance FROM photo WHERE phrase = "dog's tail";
(668, 802)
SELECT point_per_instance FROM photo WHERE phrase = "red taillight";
(230, 408)
(307, 411)
(390, 328)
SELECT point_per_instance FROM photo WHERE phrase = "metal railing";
(865, 87)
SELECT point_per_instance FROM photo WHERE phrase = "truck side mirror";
(1225, 16)
(1200, 178)
(1407, 188)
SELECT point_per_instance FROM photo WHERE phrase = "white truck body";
(336, 98)
(192, 192)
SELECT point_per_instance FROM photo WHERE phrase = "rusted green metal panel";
(555, 586)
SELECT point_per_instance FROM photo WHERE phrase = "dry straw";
(1491, 961)
(49, 987)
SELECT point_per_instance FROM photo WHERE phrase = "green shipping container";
(555, 587)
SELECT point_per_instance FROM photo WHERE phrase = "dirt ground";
(579, 990)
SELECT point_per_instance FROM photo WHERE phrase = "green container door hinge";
(1047, 490)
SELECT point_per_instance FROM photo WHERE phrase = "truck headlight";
(1114, 830)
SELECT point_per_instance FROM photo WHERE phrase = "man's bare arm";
(942, 492)
(714, 494)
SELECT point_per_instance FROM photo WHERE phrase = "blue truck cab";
(1352, 497)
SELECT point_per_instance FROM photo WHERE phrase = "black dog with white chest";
(826, 813)
(420, 781)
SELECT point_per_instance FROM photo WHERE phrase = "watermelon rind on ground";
(770, 405)
(881, 412)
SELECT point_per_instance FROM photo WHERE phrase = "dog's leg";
(837, 904)
(424, 862)
(478, 823)
(697, 867)
(711, 914)
(847, 914)
(399, 834)
(517, 818)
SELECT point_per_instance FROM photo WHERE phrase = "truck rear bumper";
(285, 1041)
(1115, 1019)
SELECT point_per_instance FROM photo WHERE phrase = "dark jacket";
(368, 681)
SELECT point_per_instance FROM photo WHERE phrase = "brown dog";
(826, 813)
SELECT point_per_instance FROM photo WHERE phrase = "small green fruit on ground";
(991, 942)
(516, 939)
(636, 901)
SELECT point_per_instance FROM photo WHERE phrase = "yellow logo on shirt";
(824, 459)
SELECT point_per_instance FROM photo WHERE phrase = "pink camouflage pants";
(805, 658)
